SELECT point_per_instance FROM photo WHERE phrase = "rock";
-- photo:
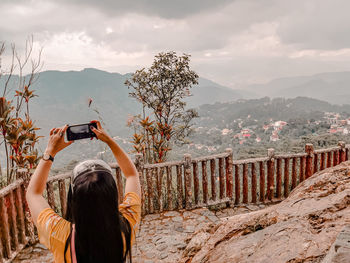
(196, 243)
(189, 229)
(340, 250)
(163, 255)
(302, 228)
(171, 213)
(177, 219)
(161, 247)
(150, 254)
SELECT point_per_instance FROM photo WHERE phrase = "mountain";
(333, 87)
(63, 98)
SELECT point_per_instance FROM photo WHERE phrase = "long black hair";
(99, 227)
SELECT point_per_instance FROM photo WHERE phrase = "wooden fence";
(185, 184)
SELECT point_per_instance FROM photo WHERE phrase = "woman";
(95, 228)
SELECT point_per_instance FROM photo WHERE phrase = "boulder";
(302, 228)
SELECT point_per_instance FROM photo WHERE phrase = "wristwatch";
(47, 157)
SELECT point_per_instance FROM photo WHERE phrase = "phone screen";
(80, 131)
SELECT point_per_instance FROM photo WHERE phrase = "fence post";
(309, 149)
(188, 184)
(229, 174)
(270, 173)
(342, 151)
(139, 163)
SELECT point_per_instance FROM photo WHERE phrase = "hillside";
(63, 97)
(332, 87)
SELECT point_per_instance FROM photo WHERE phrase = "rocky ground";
(162, 237)
(308, 226)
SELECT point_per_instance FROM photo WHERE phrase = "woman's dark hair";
(99, 227)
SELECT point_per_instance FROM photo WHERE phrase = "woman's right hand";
(101, 134)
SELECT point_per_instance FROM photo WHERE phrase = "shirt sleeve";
(130, 208)
(53, 230)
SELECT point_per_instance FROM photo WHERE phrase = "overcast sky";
(233, 42)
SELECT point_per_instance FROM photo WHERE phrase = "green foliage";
(162, 89)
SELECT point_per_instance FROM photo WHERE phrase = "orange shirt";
(53, 230)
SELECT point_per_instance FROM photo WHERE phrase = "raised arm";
(127, 166)
(37, 183)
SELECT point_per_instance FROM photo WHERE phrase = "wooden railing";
(184, 184)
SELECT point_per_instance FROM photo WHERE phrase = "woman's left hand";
(56, 142)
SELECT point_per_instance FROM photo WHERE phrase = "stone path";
(161, 237)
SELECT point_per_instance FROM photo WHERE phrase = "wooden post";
(262, 181)
(29, 226)
(286, 177)
(159, 172)
(253, 172)
(329, 159)
(188, 183)
(63, 196)
(245, 183)
(169, 187)
(118, 176)
(294, 172)
(302, 169)
(279, 178)
(335, 157)
(270, 173)
(196, 182)
(221, 178)
(213, 179)
(1, 249)
(13, 221)
(139, 163)
(149, 190)
(205, 181)
(309, 149)
(342, 152)
(20, 216)
(315, 170)
(179, 186)
(323, 161)
(4, 228)
(237, 185)
(229, 174)
(51, 196)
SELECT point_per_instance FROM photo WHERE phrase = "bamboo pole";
(253, 174)
(286, 177)
(262, 181)
(213, 179)
(229, 173)
(221, 178)
(188, 183)
(309, 149)
(205, 181)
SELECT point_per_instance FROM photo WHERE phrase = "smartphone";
(80, 131)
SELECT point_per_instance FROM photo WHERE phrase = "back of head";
(93, 208)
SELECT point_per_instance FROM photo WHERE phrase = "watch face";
(46, 156)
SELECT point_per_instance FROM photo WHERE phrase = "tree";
(162, 89)
(17, 129)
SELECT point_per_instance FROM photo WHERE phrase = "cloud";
(234, 42)
(317, 25)
(161, 8)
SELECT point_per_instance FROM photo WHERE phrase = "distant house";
(225, 131)
(258, 139)
(274, 137)
(332, 130)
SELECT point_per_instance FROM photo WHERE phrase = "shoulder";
(53, 230)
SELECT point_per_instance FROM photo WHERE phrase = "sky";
(232, 42)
